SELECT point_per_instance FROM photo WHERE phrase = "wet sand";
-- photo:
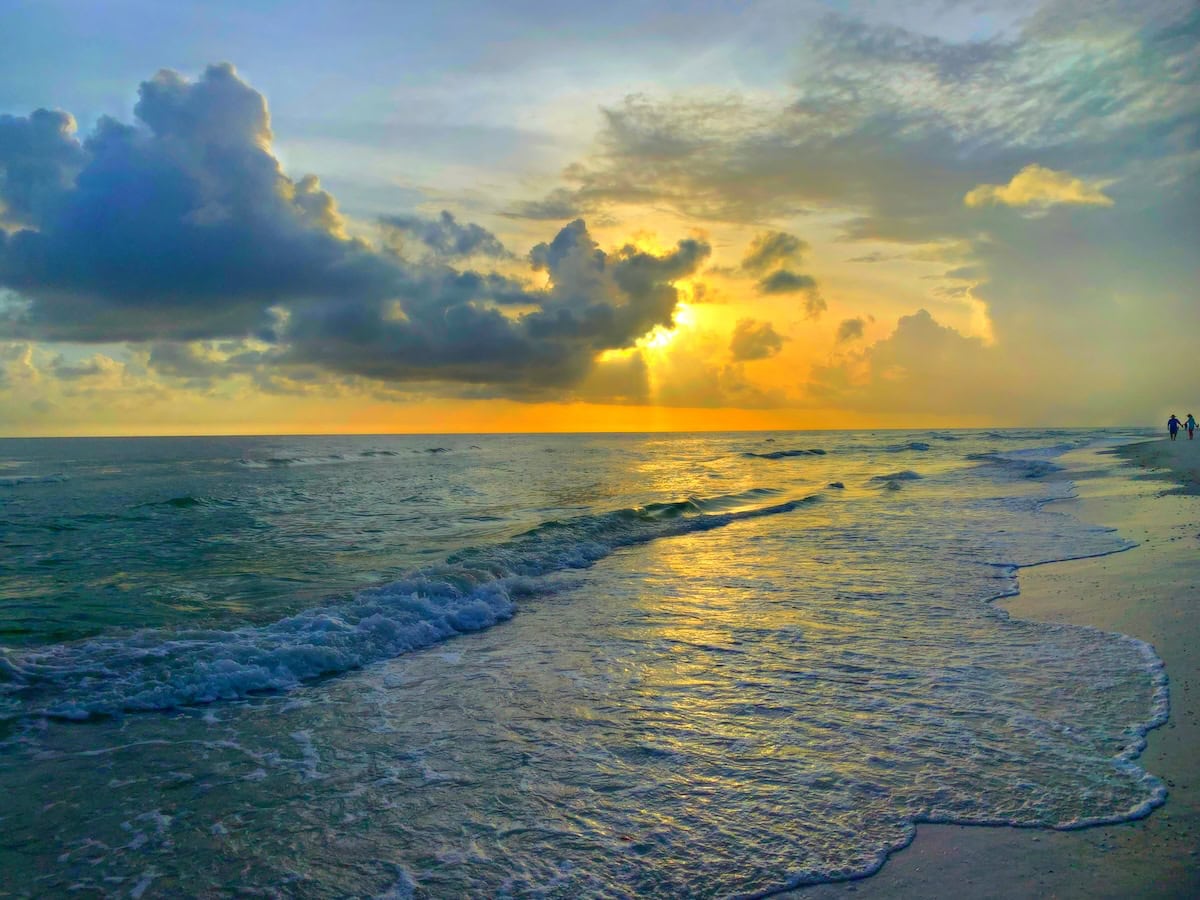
(1151, 592)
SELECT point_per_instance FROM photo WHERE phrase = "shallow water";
(542, 665)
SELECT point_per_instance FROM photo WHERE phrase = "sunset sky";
(260, 217)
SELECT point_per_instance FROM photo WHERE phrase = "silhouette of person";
(1190, 425)
(1173, 426)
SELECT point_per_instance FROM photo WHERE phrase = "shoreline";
(1150, 592)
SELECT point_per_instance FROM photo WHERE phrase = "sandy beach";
(1151, 592)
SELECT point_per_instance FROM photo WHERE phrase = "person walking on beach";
(1173, 426)
(1190, 425)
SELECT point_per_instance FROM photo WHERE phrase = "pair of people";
(1173, 425)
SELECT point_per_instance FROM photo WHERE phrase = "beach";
(1151, 592)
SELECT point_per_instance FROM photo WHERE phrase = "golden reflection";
(736, 645)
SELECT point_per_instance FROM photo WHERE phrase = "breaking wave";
(473, 589)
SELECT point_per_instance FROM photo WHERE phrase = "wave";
(1019, 466)
(276, 462)
(187, 501)
(473, 589)
(911, 445)
(784, 454)
(906, 475)
(10, 481)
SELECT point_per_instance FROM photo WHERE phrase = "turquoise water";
(614, 665)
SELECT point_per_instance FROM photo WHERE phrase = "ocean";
(544, 665)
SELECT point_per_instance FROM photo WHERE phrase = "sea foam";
(473, 589)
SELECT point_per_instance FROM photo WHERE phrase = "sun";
(658, 339)
(661, 338)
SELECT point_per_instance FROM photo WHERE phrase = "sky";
(542, 215)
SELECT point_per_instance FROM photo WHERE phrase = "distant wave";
(473, 589)
(906, 475)
(182, 502)
(275, 462)
(18, 480)
(185, 502)
(911, 445)
(784, 454)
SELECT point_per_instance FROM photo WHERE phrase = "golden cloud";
(1037, 187)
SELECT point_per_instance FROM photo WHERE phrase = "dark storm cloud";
(595, 301)
(184, 228)
(608, 300)
(445, 237)
(199, 363)
(754, 340)
(39, 157)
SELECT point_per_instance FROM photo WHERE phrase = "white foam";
(475, 589)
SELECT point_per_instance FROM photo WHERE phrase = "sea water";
(601, 665)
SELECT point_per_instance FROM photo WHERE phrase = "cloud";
(183, 228)
(886, 131)
(595, 301)
(896, 126)
(446, 238)
(559, 205)
(754, 340)
(784, 281)
(772, 248)
(98, 366)
(922, 367)
(203, 361)
(850, 330)
(39, 156)
(1035, 187)
(688, 377)
(768, 258)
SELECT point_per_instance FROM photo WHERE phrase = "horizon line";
(309, 434)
